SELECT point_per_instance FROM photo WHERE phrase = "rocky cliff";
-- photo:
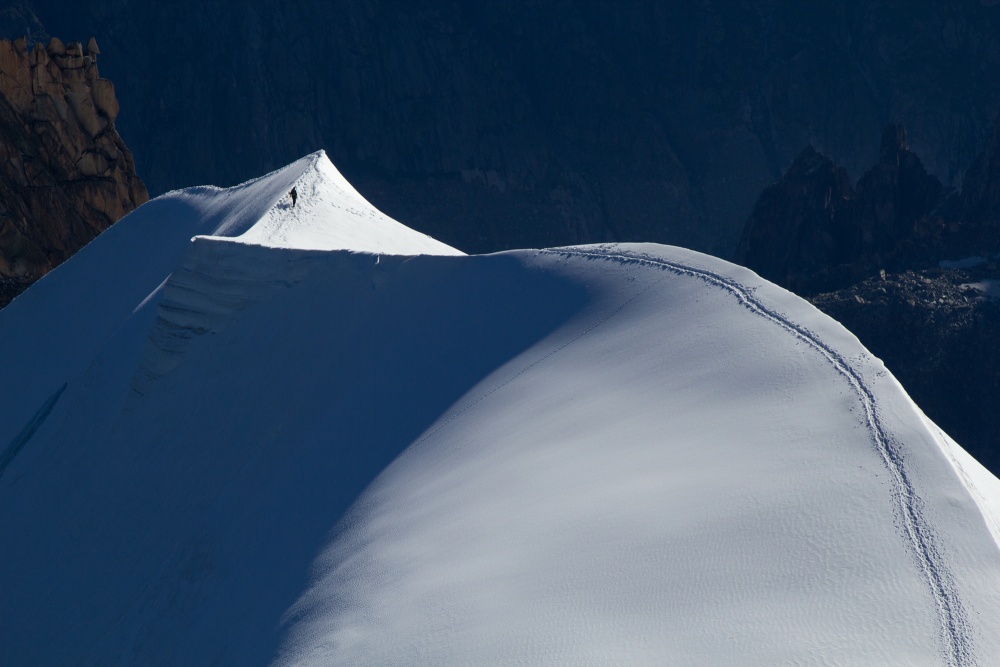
(65, 173)
(814, 231)
(980, 199)
(796, 235)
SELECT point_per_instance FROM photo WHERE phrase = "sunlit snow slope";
(312, 436)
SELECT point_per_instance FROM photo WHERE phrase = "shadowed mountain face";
(813, 231)
(516, 124)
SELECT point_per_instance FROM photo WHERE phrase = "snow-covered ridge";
(955, 625)
(136, 258)
(223, 274)
(957, 628)
(308, 435)
(327, 213)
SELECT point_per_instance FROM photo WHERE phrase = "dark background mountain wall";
(500, 124)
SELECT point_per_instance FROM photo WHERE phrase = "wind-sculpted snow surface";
(297, 439)
(701, 470)
(955, 627)
(214, 282)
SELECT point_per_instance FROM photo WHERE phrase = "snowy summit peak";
(315, 208)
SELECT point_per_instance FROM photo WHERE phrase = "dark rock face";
(980, 201)
(65, 173)
(889, 201)
(813, 231)
(501, 124)
(937, 331)
(796, 231)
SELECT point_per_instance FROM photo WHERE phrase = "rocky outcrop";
(65, 173)
(796, 231)
(980, 200)
(890, 200)
(813, 231)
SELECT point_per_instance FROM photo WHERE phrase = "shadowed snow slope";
(311, 436)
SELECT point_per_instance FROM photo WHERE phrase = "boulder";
(86, 113)
(56, 47)
(93, 163)
(104, 98)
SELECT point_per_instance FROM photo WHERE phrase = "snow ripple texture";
(956, 633)
(217, 279)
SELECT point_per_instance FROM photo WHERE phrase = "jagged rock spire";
(813, 231)
(893, 142)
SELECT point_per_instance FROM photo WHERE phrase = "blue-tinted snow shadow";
(94, 293)
(439, 328)
(288, 416)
